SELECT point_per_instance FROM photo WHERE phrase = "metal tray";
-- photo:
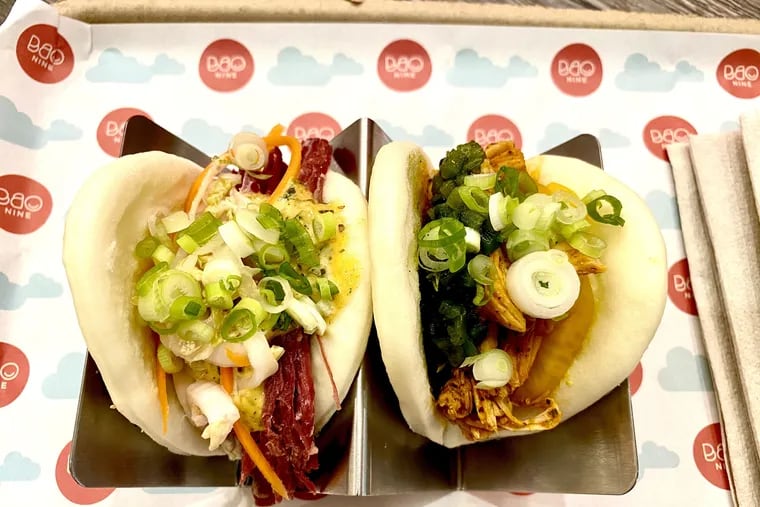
(367, 449)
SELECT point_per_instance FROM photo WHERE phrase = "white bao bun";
(107, 218)
(630, 296)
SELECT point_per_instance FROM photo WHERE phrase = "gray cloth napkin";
(717, 180)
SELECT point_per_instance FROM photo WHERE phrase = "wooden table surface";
(705, 8)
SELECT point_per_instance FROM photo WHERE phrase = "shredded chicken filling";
(481, 412)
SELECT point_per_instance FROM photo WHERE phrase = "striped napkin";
(717, 181)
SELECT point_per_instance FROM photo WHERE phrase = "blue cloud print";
(430, 136)
(295, 68)
(471, 69)
(17, 128)
(178, 491)
(664, 208)
(65, 382)
(208, 138)
(653, 455)
(611, 139)
(729, 126)
(115, 67)
(13, 296)
(642, 75)
(17, 467)
(685, 371)
(556, 133)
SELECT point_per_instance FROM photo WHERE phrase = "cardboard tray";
(367, 449)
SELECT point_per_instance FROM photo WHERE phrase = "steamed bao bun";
(107, 218)
(630, 295)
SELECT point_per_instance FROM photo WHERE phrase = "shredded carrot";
(196, 186)
(275, 132)
(225, 375)
(239, 360)
(277, 138)
(249, 444)
(163, 398)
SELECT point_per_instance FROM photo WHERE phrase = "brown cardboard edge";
(389, 11)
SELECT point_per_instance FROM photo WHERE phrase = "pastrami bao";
(227, 308)
(508, 295)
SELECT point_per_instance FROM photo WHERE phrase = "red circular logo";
(314, 125)
(492, 128)
(520, 493)
(25, 204)
(577, 70)
(111, 129)
(14, 372)
(44, 54)
(226, 65)
(679, 287)
(404, 66)
(635, 378)
(739, 73)
(709, 456)
(665, 130)
(71, 488)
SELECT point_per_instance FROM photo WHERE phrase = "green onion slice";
(271, 256)
(442, 245)
(217, 295)
(441, 233)
(606, 201)
(588, 244)
(270, 217)
(526, 215)
(162, 254)
(480, 269)
(147, 280)
(483, 294)
(522, 242)
(491, 369)
(296, 280)
(146, 247)
(594, 194)
(325, 226)
(238, 326)
(483, 181)
(168, 361)
(200, 231)
(567, 231)
(255, 307)
(276, 294)
(164, 328)
(572, 208)
(474, 198)
(195, 331)
(220, 268)
(324, 289)
(187, 308)
(174, 283)
(175, 222)
(187, 244)
(297, 235)
(248, 221)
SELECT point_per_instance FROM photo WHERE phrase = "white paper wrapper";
(633, 90)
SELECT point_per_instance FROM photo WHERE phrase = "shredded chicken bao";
(505, 277)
